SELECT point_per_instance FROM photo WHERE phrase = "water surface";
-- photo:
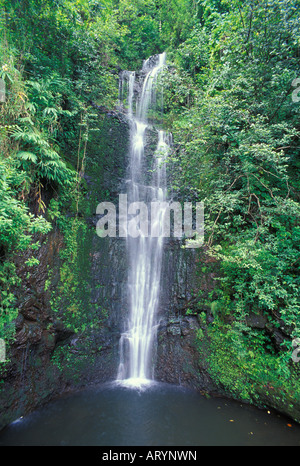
(159, 415)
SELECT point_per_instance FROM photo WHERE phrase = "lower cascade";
(144, 252)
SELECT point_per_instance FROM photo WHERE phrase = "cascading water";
(145, 251)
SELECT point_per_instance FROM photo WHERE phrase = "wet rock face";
(178, 357)
(29, 377)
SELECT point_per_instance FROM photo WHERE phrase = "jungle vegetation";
(232, 104)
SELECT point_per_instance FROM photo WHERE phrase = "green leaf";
(27, 156)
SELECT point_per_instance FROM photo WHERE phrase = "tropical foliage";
(230, 104)
(228, 101)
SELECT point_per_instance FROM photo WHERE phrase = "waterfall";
(144, 252)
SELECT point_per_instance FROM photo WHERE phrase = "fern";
(28, 156)
(38, 151)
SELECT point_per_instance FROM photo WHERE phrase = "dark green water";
(161, 415)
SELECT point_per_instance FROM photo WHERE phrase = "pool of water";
(159, 415)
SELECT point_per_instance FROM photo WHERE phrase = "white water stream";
(145, 252)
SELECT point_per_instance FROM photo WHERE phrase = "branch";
(212, 233)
